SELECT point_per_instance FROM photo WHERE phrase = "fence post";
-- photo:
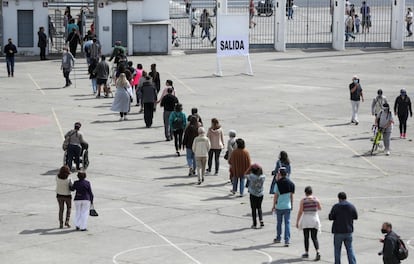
(338, 25)
(280, 25)
(397, 24)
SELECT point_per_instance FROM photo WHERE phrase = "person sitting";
(75, 145)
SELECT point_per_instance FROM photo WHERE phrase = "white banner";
(232, 35)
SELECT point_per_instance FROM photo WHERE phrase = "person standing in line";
(409, 21)
(385, 122)
(95, 50)
(83, 200)
(356, 96)
(256, 180)
(123, 95)
(168, 102)
(178, 122)
(92, 75)
(156, 79)
(283, 205)
(68, 62)
(42, 43)
(239, 162)
(366, 17)
(390, 246)
(215, 134)
(10, 49)
(201, 146)
(283, 161)
(402, 108)
(168, 85)
(73, 41)
(343, 215)
(136, 80)
(308, 220)
(190, 133)
(63, 195)
(149, 97)
(194, 112)
(231, 146)
(102, 74)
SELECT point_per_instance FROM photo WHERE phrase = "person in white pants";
(83, 200)
(356, 96)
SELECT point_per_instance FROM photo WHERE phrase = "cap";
(403, 91)
(201, 130)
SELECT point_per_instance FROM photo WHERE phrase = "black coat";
(389, 249)
(42, 43)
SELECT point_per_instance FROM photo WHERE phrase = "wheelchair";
(83, 158)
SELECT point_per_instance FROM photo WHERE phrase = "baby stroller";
(175, 40)
(83, 159)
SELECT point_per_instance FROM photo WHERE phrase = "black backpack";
(178, 122)
(401, 250)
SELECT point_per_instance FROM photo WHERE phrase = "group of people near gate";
(382, 111)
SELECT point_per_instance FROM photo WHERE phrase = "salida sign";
(233, 46)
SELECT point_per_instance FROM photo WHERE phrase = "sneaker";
(232, 192)
(178, 153)
(318, 256)
(199, 182)
(125, 118)
(190, 171)
(306, 255)
(253, 227)
(276, 241)
(387, 153)
(216, 173)
(356, 123)
(120, 119)
(403, 135)
(261, 224)
(287, 244)
(202, 179)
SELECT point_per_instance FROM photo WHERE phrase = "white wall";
(138, 11)
(40, 14)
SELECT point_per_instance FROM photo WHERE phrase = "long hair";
(283, 156)
(215, 123)
(64, 172)
(122, 81)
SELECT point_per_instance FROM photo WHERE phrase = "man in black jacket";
(343, 215)
(402, 108)
(10, 49)
(168, 102)
(42, 43)
(390, 244)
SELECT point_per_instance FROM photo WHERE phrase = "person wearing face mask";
(384, 122)
(402, 107)
(356, 96)
(390, 242)
(68, 62)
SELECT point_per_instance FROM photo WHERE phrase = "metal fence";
(409, 40)
(310, 24)
(378, 33)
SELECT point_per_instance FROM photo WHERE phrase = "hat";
(403, 91)
(283, 171)
(201, 130)
(232, 133)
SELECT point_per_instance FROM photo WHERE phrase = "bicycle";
(377, 139)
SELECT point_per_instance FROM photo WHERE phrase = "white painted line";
(269, 258)
(58, 123)
(182, 83)
(35, 83)
(337, 139)
(409, 244)
(161, 236)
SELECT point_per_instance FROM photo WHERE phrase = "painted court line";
(161, 236)
(35, 83)
(58, 123)
(182, 83)
(337, 139)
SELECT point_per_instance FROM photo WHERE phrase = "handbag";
(226, 155)
(92, 211)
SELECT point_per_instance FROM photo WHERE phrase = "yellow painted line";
(337, 139)
(58, 124)
(35, 83)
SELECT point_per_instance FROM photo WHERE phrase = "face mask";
(355, 81)
(384, 231)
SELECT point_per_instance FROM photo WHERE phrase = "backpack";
(401, 250)
(177, 122)
(378, 104)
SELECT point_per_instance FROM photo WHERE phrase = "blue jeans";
(94, 86)
(235, 181)
(283, 215)
(347, 239)
(10, 65)
(191, 162)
